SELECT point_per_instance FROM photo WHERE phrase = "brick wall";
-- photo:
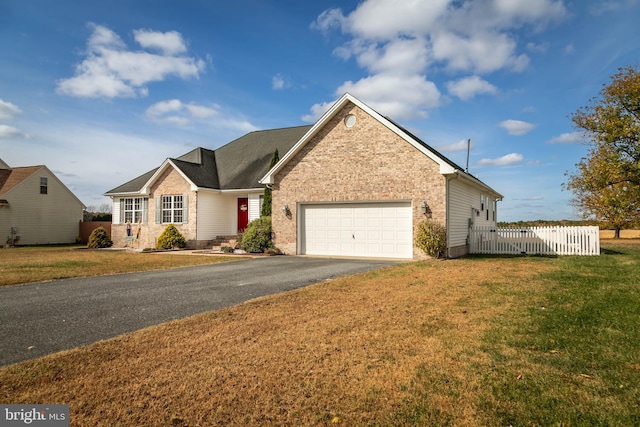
(169, 183)
(366, 162)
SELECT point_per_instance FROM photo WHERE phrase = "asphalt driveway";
(42, 318)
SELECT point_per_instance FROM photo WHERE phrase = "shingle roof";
(237, 165)
(9, 178)
(134, 185)
(242, 162)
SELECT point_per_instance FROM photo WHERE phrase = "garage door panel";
(350, 229)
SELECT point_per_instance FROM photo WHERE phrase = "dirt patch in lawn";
(355, 350)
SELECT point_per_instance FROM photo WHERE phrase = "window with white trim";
(172, 208)
(44, 185)
(133, 209)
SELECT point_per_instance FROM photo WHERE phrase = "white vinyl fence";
(535, 240)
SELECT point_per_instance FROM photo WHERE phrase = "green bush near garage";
(257, 237)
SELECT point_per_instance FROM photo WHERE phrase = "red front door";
(243, 214)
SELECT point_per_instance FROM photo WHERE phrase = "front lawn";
(480, 341)
(43, 263)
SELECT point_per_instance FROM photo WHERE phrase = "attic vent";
(350, 120)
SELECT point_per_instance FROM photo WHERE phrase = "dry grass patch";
(398, 346)
(624, 234)
(43, 263)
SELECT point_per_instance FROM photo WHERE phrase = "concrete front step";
(224, 241)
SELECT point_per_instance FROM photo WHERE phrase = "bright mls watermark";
(34, 415)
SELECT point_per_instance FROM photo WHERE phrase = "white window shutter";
(158, 209)
(185, 208)
(121, 211)
(145, 210)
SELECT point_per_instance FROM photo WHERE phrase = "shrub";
(171, 238)
(432, 238)
(257, 237)
(99, 238)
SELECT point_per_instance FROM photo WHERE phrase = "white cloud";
(530, 10)
(603, 7)
(388, 19)
(8, 110)
(483, 52)
(280, 82)
(169, 43)
(457, 146)
(567, 138)
(202, 112)
(412, 38)
(506, 160)
(399, 56)
(469, 87)
(317, 110)
(328, 20)
(177, 113)
(11, 132)
(538, 48)
(395, 96)
(516, 127)
(110, 70)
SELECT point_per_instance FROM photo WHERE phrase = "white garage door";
(357, 229)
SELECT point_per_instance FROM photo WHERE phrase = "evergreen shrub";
(432, 238)
(99, 238)
(257, 237)
(171, 238)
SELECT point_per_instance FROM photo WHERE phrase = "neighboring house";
(204, 193)
(353, 184)
(36, 207)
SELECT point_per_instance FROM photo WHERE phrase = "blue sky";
(103, 91)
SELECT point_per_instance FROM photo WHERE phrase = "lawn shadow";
(607, 251)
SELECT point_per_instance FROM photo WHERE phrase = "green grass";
(568, 354)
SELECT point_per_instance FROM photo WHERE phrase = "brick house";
(206, 194)
(353, 184)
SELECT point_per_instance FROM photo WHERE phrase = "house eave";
(125, 194)
(232, 190)
(474, 181)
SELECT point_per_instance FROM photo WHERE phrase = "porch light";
(286, 211)
(424, 207)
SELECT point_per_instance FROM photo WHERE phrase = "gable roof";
(447, 167)
(235, 166)
(11, 177)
